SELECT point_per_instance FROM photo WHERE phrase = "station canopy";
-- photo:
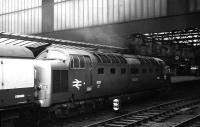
(186, 37)
(36, 43)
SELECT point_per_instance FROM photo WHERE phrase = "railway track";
(158, 113)
(191, 122)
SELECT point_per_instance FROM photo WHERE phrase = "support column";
(47, 15)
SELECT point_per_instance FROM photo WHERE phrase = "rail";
(194, 122)
(156, 113)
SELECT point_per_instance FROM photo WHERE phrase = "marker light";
(116, 104)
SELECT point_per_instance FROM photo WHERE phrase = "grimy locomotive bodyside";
(61, 77)
(72, 75)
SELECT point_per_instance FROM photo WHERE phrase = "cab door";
(79, 76)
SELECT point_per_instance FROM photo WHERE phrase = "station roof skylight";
(188, 37)
(185, 37)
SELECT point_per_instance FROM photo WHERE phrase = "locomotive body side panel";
(110, 75)
(16, 81)
(134, 72)
(120, 80)
(80, 77)
(135, 81)
(146, 78)
(17, 73)
(101, 80)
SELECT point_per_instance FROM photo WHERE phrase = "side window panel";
(98, 58)
(88, 61)
(144, 70)
(71, 62)
(112, 70)
(152, 61)
(142, 61)
(123, 70)
(134, 71)
(82, 62)
(148, 61)
(121, 59)
(116, 59)
(109, 58)
(100, 70)
(151, 70)
(103, 58)
(76, 61)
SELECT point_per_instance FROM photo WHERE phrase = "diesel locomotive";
(65, 75)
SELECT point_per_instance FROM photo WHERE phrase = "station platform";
(181, 79)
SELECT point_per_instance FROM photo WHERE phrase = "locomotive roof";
(70, 51)
(138, 59)
(132, 59)
(76, 51)
(15, 51)
(98, 57)
(160, 61)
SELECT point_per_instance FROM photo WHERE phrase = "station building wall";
(50, 17)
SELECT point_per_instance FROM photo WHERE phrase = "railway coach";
(16, 76)
(16, 83)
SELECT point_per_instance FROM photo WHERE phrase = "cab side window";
(88, 61)
(82, 62)
(77, 61)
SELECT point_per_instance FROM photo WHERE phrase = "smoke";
(101, 36)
